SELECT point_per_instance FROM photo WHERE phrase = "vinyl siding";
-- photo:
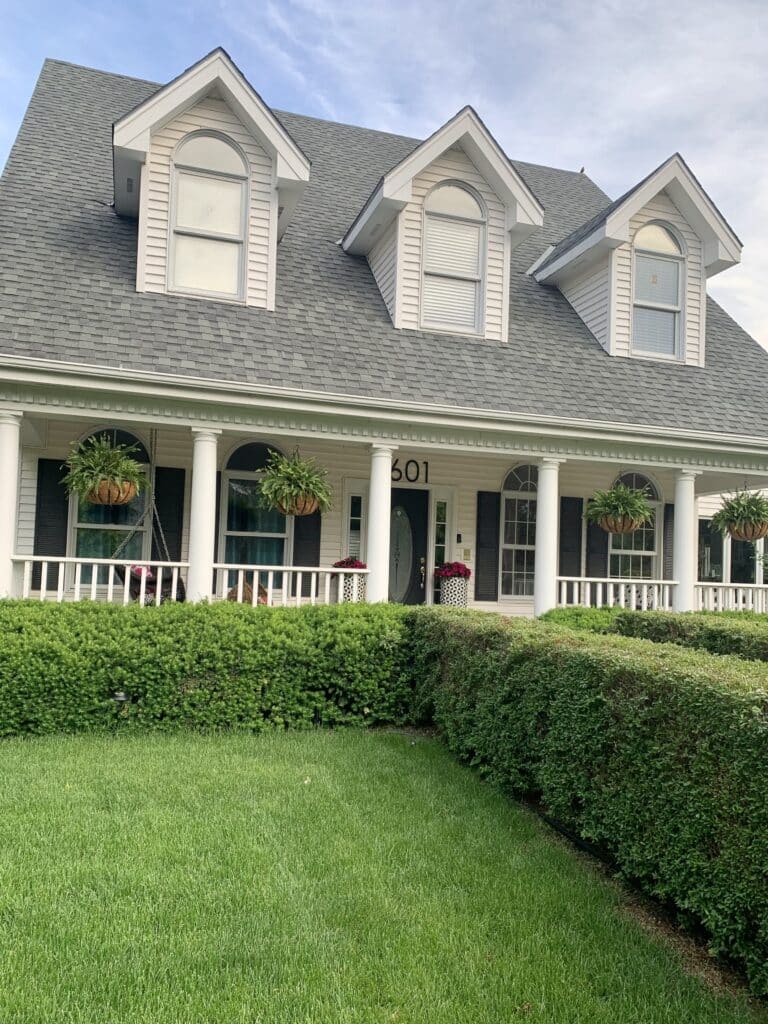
(693, 314)
(261, 240)
(590, 297)
(454, 164)
(458, 475)
(382, 260)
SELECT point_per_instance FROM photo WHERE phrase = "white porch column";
(546, 550)
(379, 514)
(10, 439)
(684, 541)
(202, 515)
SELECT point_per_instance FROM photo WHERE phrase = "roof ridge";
(99, 71)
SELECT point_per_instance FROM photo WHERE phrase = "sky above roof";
(605, 85)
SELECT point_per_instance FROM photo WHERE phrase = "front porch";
(516, 518)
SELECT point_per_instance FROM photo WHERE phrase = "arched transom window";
(658, 286)
(636, 555)
(209, 217)
(453, 259)
(518, 531)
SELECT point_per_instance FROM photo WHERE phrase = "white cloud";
(601, 84)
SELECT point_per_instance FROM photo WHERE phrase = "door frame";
(437, 492)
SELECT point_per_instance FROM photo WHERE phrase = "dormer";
(439, 228)
(214, 179)
(637, 272)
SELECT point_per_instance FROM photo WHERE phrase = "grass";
(304, 878)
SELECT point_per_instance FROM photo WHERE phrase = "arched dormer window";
(658, 286)
(210, 199)
(518, 531)
(453, 259)
(636, 555)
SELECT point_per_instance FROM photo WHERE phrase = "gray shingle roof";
(67, 289)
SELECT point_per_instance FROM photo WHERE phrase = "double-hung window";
(658, 285)
(453, 260)
(518, 531)
(210, 183)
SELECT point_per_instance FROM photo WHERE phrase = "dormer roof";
(218, 75)
(525, 214)
(610, 228)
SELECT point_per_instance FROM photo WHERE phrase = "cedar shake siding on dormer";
(154, 229)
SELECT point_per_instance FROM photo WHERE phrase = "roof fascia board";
(101, 380)
(722, 248)
(524, 212)
(588, 250)
(132, 132)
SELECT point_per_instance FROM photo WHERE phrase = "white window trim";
(657, 555)
(678, 309)
(241, 239)
(479, 280)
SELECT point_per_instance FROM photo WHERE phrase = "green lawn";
(305, 878)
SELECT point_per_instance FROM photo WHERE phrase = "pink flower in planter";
(349, 563)
(453, 570)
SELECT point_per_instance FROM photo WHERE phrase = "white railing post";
(546, 549)
(379, 516)
(685, 534)
(202, 515)
(10, 441)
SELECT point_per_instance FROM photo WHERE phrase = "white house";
(468, 343)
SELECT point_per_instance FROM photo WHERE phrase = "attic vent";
(129, 185)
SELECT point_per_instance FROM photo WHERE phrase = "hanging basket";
(110, 493)
(304, 505)
(620, 524)
(748, 531)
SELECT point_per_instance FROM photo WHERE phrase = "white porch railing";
(54, 578)
(117, 581)
(288, 585)
(597, 592)
(731, 597)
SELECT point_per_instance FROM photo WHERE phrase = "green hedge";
(597, 620)
(657, 754)
(743, 634)
(210, 667)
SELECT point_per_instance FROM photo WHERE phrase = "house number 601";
(414, 472)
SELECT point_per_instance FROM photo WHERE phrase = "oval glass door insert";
(400, 554)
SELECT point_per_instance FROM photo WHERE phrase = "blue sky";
(611, 85)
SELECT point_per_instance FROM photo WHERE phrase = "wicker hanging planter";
(304, 505)
(620, 524)
(110, 493)
(748, 531)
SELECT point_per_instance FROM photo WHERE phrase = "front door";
(408, 546)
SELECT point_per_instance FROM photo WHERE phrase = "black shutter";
(597, 551)
(668, 541)
(169, 499)
(571, 526)
(306, 547)
(217, 521)
(487, 563)
(51, 514)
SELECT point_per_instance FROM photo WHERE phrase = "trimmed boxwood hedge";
(743, 634)
(206, 666)
(658, 755)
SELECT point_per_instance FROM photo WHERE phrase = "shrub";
(657, 754)
(597, 620)
(745, 636)
(221, 666)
